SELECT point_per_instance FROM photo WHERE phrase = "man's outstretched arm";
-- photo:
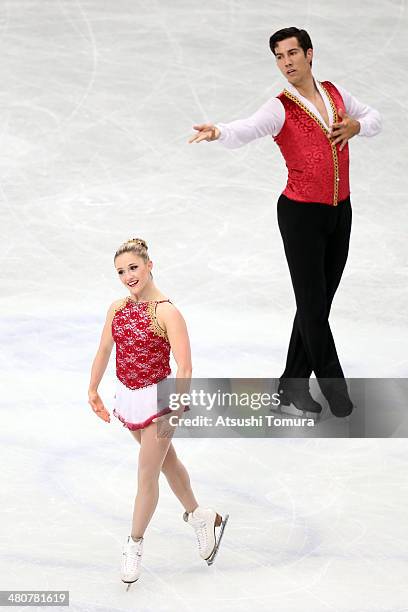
(267, 120)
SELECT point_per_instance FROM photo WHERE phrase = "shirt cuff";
(222, 133)
(363, 127)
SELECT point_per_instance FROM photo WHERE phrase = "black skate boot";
(337, 395)
(296, 391)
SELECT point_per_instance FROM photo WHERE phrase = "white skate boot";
(204, 521)
(131, 560)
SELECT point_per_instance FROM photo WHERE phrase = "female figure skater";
(145, 326)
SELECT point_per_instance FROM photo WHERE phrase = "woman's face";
(133, 271)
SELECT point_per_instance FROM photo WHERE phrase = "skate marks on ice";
(95, 122)
(308, 521)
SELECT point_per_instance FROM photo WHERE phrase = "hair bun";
(138, 246)
(139, 241)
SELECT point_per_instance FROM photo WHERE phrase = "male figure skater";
(312, 123)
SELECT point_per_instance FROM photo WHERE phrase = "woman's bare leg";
(177, 477)
(136, 434)
(152, 453)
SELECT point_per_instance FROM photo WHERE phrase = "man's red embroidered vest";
(317, 170)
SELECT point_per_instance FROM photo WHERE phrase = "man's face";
(291, 60)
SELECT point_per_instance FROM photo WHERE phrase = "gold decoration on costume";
(154, 324)
(121, 305)
(289, 95)
(334, 150)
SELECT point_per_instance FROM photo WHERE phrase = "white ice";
(98, 99)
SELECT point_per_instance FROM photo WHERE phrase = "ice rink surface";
(98, 99)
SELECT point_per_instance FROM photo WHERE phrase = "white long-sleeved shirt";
(270, 117)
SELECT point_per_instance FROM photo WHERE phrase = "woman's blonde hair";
(134, 245)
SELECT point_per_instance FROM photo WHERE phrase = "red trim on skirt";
(136, 426)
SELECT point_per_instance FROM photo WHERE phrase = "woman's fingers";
(99, 409)
(164, 429)
(103, 414)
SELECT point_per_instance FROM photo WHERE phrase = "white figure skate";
(131, 561)
(204, 522)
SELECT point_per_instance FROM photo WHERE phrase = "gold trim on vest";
(334, 150)
(326, 131)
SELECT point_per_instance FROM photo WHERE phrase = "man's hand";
(206, 131)
(344, 130)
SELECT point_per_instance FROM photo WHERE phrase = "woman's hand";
(97, 406)
(164, 428)
(167, 423)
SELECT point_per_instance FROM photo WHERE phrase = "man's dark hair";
(302, 36)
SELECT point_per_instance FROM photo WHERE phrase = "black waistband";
(286, 200)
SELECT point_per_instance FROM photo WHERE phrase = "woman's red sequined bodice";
(142, 346)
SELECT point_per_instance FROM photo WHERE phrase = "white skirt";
(136, 408)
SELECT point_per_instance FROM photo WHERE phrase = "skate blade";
(292, 411)
(211, 558)
(129, 584)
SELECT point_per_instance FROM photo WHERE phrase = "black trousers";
(316, 241)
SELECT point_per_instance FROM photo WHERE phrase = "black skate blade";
(211, 558)
(129, 584)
